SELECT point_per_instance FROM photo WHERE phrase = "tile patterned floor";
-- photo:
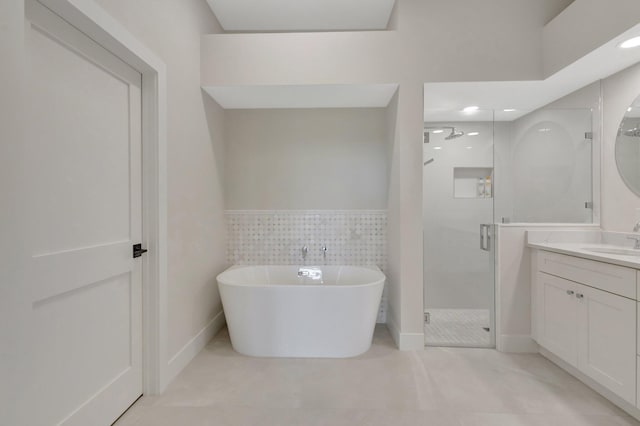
(458, 327)
(434, 387)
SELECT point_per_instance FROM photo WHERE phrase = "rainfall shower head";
(454, 134)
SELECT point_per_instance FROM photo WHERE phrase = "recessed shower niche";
(472, 182)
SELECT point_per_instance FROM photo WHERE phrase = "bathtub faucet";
(305, 251)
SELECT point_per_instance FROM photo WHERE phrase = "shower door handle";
(485, 237)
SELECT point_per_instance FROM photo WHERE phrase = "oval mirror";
(628, 147)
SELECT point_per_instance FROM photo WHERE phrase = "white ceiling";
(444, 101)
(302, 15)
(310, 96)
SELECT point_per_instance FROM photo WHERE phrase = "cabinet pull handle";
(570, 292)
(579, 296)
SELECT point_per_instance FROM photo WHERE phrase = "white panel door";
(84, 193)
(557, 326)
(607, 340)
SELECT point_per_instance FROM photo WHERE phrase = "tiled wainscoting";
(276, 237)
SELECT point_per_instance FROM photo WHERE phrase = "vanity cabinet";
(607, 340)
(586, 316)
(558, 317)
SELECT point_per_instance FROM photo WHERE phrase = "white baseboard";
(411, 342)
(516, 343)
(405, 341)
(184, 356)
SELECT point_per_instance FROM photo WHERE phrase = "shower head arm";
(453, 135)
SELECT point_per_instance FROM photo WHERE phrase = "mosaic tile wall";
(276, 237)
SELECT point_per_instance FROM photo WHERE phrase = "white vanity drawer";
(605, 276)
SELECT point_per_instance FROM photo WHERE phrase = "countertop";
(580, 250)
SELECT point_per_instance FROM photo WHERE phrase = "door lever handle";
(138, 250)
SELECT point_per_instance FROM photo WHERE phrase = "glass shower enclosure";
(534, 168)
(458, 217)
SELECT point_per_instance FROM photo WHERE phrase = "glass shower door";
(458, 212)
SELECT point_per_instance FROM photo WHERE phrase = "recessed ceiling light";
(509, 110)
(632, 42)
(544, 129)
(438, 131)
(469, 147)
(629, 109)
(472, 108)
(437, 147)
(473, 133)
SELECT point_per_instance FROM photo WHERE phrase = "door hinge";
(138, 250)
(427, 318)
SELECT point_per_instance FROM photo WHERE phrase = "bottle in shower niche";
(480, 187)
(487, 187)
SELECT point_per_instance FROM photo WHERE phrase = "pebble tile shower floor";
(434, 387)
(458, 327)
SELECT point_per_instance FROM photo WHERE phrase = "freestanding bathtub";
(301, 312)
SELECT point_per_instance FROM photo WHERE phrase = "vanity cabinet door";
(607, 340)
(557, 326)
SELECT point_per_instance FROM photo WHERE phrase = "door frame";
(92, 20)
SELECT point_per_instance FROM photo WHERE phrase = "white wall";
(196, 226)
(583, 26)
(618, 202)
(555, 7)
(394, 246)
(15, 296)
(467, 38)
(513, 294)
(306, 159)
(503, 184)
(404, 268)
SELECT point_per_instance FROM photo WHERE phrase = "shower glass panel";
(458, 214)
(544, 167)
